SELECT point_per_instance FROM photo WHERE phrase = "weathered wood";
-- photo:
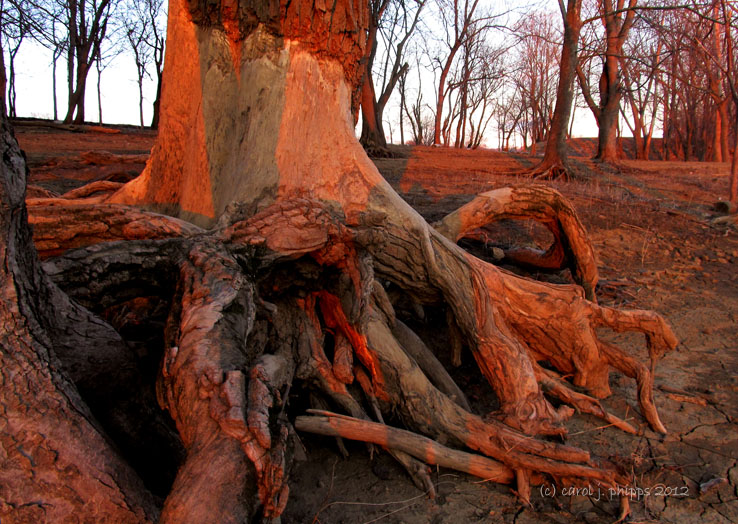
(428, 362)
(60, 225)
(204, 387)
(423, 448)
(418, 472)
(98, 188)
(553, 385)
(432, 412)
(571, 246)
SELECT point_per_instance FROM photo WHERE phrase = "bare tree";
(641, 66)
(555, 158)
(57, 47)
(415, 109)
(87, 25)
(480, 76)
(509, 110)
(617, 20)
(45, 19)
(15, 27)
(138, 29)
(487, 81)
(723, 56)
(461, 21)
(536, 72)
(156, 12)
(108, 51)
(395, 23)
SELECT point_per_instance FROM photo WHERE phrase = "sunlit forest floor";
(651, 225)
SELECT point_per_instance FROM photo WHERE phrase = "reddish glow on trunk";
(335, 318)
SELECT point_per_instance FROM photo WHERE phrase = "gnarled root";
(571, 246)
(548, 170)
(572, 346)
(59, 225)
(224, 381)
(221, 419)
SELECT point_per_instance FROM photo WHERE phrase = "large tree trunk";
(256, 142)
(197, 174)
(57, 462)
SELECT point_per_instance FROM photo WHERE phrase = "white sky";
(118, 87)
(120, 95)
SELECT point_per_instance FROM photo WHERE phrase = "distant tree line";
(638, 65)
(85, 34)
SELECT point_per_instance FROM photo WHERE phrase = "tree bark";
(58, 462)
(157, 102)
(555, 158)
(372, 130)
(617, 26)
(257, 144)
(3, 81)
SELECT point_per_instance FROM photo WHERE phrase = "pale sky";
(120, 94)
(118, 87)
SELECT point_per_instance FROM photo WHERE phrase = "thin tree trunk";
(734, 177)
(3, 81)
(157, 102)
(11, 82)
(441, 96)
(555, 157)
(99, 95)
(79, 98)
(53, 86)
(140, 101)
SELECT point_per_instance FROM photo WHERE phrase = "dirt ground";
(651, 225)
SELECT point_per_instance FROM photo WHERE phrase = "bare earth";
(650, 224)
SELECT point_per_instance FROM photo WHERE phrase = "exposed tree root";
(550, 171)
(553, 385)
(98, 188)
(222, 413)
(423, 448)
(59, 226)
(223, 378)
(424, 357)
(571, 246)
